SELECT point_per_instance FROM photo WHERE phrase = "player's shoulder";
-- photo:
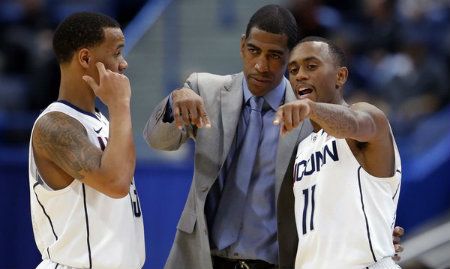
(375, 113)
(383, 132)
(366, 107)
(56, 122)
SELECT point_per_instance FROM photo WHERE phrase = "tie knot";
(256, 103)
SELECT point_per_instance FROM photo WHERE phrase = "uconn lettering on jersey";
(315, 162)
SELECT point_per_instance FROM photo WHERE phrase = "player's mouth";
(303, 91)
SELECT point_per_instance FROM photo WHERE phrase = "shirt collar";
(273, 97)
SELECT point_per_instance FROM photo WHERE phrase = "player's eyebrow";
(307, 59)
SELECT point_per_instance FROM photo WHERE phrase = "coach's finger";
(193, 114)
(177, 117)
(185, 115)
(204, 119)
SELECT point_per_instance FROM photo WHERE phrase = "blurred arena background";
(399, 53)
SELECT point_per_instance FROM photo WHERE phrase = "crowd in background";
(398, 53)
(29, 73)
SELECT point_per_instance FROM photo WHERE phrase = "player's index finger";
(101, 68)
(278, 116)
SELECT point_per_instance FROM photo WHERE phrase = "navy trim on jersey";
(305, 208)
(395, 194)
(45, 212)
(311, 221)
(398, 186)
(365, 216)
(87, 226)
(78, 109)
(56, 265)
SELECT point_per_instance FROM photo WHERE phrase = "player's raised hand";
(113, 88)
(290, 115)
(188, 108)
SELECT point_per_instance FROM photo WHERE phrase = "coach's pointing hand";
(188, 108)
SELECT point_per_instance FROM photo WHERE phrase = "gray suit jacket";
(223, 98)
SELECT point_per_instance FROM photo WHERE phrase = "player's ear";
(341, 77)
(84, 58)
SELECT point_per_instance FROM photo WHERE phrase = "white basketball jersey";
(78, 226)
(344, 216)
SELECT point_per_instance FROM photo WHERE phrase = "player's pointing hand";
(290, 115)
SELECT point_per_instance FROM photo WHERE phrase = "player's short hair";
(336, 52)
(79, 30)
(276, 20)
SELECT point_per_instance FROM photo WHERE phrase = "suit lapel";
(232, 97)
(287, 144)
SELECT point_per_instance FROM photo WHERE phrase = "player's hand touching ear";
(113, 88)
(188, 108)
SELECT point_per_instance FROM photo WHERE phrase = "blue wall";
(162, 190)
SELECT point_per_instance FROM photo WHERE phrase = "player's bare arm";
(361, 122)
(188, 108)
(63, 141)
(367, 131)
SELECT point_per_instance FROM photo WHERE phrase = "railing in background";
(143, 21)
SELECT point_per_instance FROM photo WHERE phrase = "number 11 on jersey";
(307, 199)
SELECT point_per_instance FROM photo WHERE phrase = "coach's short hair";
(276, 20)
(336, 52)
(80, 30)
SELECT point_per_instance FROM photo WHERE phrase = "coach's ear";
(83, 58)
(242, 45)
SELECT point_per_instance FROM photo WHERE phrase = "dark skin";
(317, 81)
(265, 57)
(62, 149)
